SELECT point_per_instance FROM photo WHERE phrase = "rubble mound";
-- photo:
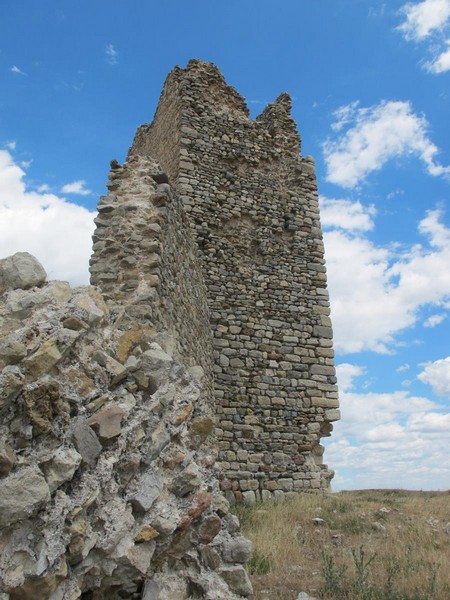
(107, 484)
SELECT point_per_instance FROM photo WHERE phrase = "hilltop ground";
(371, 544)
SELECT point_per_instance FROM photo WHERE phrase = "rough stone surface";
(22, 494)
(249, 200)
(105, 492)
(207, 339)
(21, 270)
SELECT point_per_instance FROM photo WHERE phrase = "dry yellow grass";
(373, 544)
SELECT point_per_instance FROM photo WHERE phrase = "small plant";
(332, 576)
(259, 564)
(433, 582)
(392, 571)
(353, 525)
(362, 564)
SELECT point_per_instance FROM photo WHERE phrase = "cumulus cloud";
(424, 18)
(57, 232)
(425, 21)
(76, 187)
(441, 62)
(437, 375)
(434, 320)
(111, 54)
(392, 439)
(376, 292)
(370, 137)
(346, 214)
(16, 70)
(346, 373)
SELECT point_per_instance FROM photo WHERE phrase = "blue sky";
(370, 87)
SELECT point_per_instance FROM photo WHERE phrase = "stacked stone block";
(252, 205)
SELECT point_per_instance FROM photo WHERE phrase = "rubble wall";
(252, 203)
(107, 482)
(145, 262)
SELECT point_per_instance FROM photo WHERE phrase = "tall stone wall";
(252, 205)
(145, 262)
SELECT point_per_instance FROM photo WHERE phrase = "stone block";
(11, 382)
(107, 422)
(333, 414)
(21, 271)
(22, 494)
(61, 467)
(86, 441)
(148, 489)
(237, 580)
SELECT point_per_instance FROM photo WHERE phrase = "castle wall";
(145, 263)
(252, 202)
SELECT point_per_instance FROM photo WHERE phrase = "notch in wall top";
(277, 119)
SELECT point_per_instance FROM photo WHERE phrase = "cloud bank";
(369, 137)
(429, 21)
(376, 292)
(382, 434)
(57, 232)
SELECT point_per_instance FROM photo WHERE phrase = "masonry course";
(202, 356)
(246, 255)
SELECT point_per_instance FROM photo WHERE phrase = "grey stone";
(115, 369)
(149, 488)
(11, 383)
(187, 481)
(86, 441)
(333, 414)
(237, 549)
(22, 494)
(61, 467)
(237, 580)
(21, 271)
(12, 350)
(151, 591)
(7, 458)
(156, 363)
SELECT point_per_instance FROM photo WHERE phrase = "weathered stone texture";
(104, 490)
(213, 316)
(252, 205)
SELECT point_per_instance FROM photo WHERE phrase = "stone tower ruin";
(230, 260)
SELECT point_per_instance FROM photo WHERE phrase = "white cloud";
(57, 232)
(437, 375)
(424, 18)
(11, 145)
(15, 69)
(345, 214)
(441, 63)
(346, 373)
(403, 368)
(111, 54)
(76, 187)
(434, 320)
(377, 292)
(372, 137)
(392, 439)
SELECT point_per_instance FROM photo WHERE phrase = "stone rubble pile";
(107, 488)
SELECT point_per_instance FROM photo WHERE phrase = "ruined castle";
(197, 373)
(240, 247)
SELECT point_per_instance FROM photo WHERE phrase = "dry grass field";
(371, 544)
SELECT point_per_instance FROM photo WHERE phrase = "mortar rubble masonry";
(201, 360)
